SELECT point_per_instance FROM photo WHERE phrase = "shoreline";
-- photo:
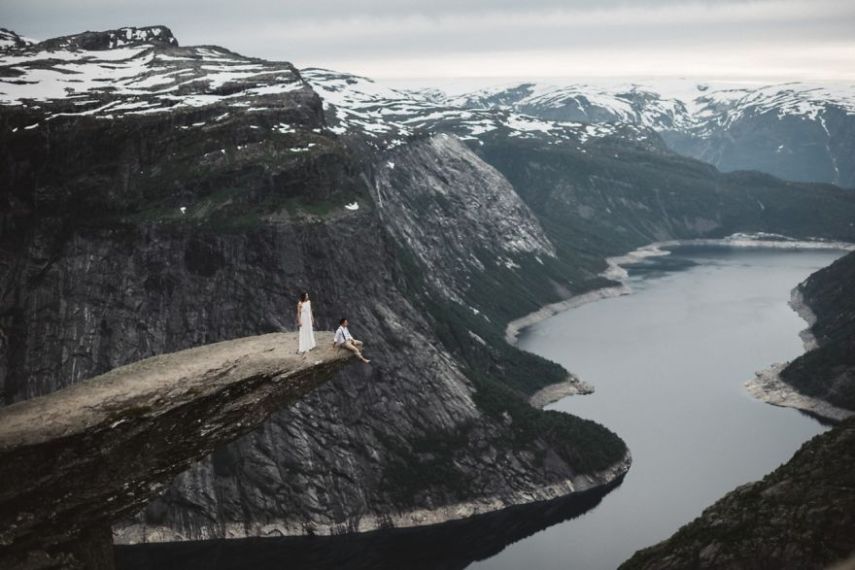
(615, 271)
(516, 326)
(802, 309)
(572, 386)
(141, 534)
(768, 387)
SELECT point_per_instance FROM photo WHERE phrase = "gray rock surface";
(148, 422)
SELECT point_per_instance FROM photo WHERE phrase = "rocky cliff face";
(799, 516)
(148, 421)
(129, 231)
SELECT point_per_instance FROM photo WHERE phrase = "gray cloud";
(388, 38)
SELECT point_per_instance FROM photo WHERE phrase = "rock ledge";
(78, 459)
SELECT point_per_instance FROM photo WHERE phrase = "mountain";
(185, 195)
(11, 40)
(138, 72)
(597, 188)
(387, 116)
(794, 131)
(158, 197)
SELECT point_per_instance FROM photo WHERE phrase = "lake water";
(668, 363)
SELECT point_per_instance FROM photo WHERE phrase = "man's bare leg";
(352, 347)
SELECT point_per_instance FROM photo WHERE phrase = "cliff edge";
(77, 460)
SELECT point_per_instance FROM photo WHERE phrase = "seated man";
(344, 340)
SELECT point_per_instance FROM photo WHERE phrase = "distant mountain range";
(795, 131)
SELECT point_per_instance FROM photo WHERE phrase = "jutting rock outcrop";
(75, 461)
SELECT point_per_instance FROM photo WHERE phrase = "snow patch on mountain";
(664, 105)
(388, 116)
(139, 71)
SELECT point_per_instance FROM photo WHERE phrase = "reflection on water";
(668, 363)
(448, 546)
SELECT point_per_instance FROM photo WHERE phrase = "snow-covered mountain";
(11, 40)
(157, 197)
(143, 71)
(135, 71)
(591, 103)
(794, 130)
(358, 104)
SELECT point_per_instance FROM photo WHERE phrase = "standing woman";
(306, 323)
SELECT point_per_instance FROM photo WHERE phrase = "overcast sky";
(493, 39)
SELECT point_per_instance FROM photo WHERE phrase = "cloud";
(444, 38)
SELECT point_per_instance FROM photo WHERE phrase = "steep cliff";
(188, 200)
(800, 516)
(79, 459)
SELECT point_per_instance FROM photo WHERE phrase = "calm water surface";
(668, 363)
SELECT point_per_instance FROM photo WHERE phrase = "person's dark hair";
(341, 322)
(303, 296)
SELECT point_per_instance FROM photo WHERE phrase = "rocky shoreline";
(797, 302)
(572, 386)
(616, 271)
(516, 326)
(768, 387)
(138, 534)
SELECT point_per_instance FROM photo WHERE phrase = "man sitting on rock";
(343, 339)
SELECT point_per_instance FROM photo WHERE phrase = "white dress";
(307, 335)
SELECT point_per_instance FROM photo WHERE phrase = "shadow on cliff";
(451, 545)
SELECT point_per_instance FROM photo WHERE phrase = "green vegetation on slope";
(611, 196)
(504, 376)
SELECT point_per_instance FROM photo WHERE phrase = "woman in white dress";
(306, 323)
